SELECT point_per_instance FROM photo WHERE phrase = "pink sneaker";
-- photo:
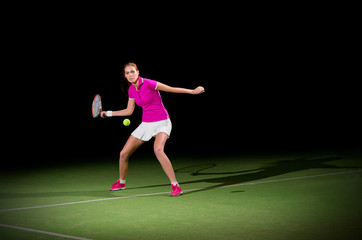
(118, 186)
(176, 191)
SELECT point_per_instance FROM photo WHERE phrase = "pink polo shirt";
(147, 97)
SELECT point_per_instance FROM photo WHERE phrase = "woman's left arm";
(165, 88)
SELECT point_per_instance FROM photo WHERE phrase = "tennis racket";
(96, 106)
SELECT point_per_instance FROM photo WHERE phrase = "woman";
(155, 122)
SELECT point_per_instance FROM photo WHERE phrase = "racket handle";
(108, 114)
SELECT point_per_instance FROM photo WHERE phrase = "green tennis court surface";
(270, 196)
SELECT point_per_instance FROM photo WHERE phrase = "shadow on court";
(271, 170)
(251, 175)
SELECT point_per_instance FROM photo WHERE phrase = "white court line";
(190, 190)
(291, 179)
(87, 201)
(43, 232)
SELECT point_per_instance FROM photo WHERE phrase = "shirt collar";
(140, 81)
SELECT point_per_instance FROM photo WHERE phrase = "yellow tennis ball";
(126, 122)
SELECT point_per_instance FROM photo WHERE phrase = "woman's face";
(131, 74)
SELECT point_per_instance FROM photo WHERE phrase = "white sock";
(122, 181)
(174, 183)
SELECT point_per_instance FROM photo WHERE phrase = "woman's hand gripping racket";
(97, 106)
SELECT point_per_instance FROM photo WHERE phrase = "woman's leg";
(159, 146)
(131, 145)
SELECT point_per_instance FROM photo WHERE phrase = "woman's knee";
(158, 150)
(123, 156)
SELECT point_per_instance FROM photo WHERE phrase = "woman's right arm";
(125, 112)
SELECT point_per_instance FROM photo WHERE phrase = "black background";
(275, 81)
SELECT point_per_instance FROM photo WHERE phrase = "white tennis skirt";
(146, 130)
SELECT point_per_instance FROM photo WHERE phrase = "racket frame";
(100, 107)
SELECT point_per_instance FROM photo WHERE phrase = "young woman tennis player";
(155, 122)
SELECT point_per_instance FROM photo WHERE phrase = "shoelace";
(114, 184)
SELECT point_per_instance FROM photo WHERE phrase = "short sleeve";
(130, 93)
(151, 84)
